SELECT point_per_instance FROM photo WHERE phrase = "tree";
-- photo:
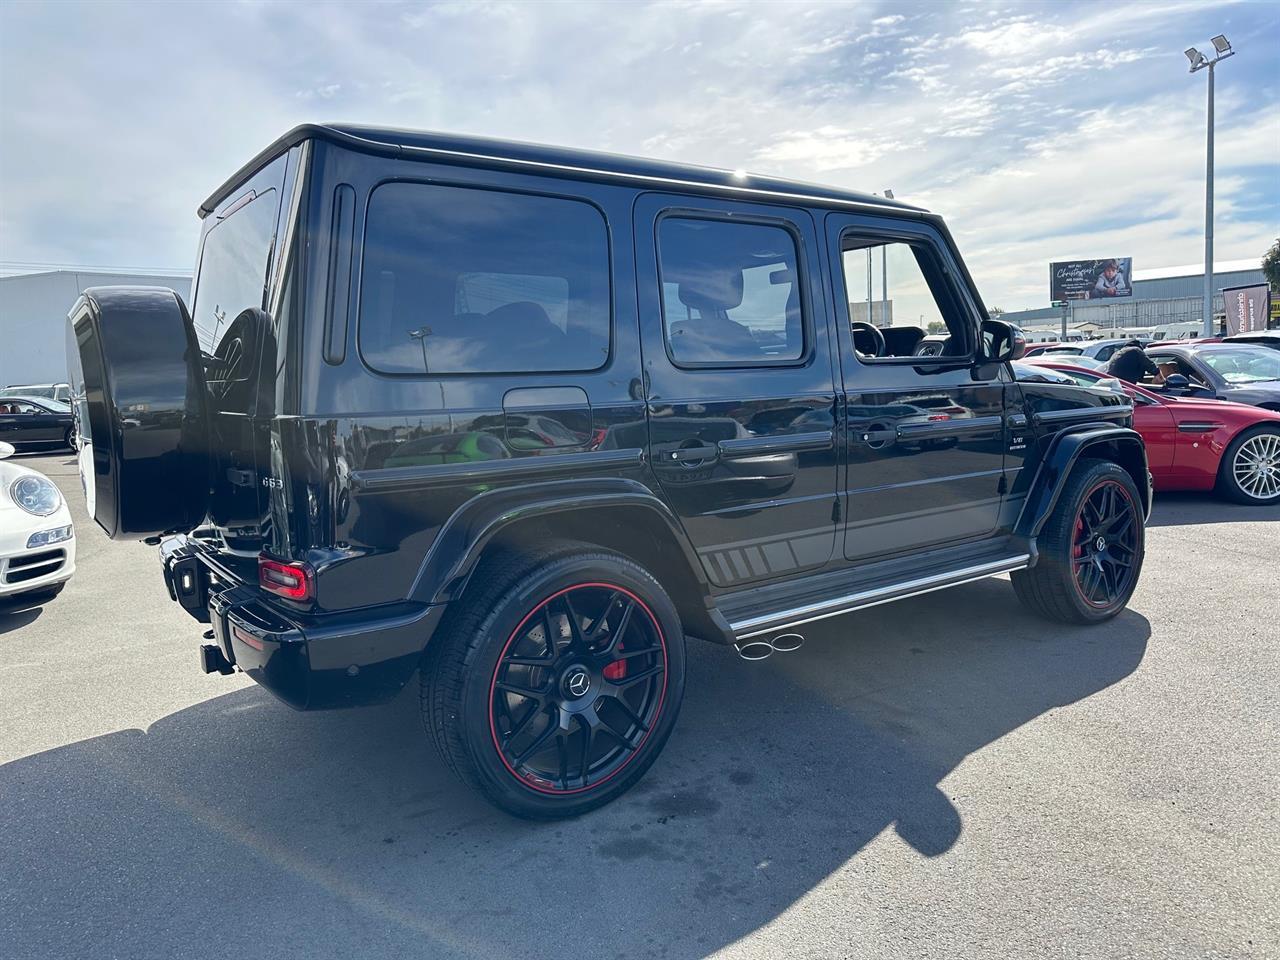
(1271, 266)
(996, 311)
(937, 326)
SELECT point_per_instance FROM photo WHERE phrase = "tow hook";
(212, 660)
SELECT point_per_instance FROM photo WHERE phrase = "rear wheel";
(1091, 548)
(557, 682)
(1250, 468)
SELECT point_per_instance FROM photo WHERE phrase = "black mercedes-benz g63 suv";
(519, 420)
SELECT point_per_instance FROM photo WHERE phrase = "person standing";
(1131, 363)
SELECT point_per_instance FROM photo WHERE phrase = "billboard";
(1247, 308)
(1091, 279)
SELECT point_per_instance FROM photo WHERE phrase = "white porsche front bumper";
(24, 568)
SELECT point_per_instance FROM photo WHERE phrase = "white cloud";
(824, 149)
(1044, 130)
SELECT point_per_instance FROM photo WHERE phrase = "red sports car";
(1197, 444)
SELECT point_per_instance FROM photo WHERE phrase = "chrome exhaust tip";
(754, 649)
(787, 642)
(763, 649)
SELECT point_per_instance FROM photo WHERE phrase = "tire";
(69, 439)
(1074, 581)
(134, 364)
(490, 647)
(1258, 446)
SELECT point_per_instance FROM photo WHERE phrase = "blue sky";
(1040, 130)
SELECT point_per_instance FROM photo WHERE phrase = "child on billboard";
(1110, 282)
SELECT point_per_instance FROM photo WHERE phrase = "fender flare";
(1121, 445)
(453, 556)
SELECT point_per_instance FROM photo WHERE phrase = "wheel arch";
(1120, 445)
(619, 515)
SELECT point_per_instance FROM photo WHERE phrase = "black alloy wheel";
(1105, 545)
(578, 688)
(555, 679)
(1090, 549)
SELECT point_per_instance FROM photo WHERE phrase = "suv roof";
(487, 151)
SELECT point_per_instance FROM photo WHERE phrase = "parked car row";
(1192, 443)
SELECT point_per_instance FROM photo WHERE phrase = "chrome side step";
(787, 619)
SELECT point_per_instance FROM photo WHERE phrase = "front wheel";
(1250, 468)
(1091, 548)
(556, 684)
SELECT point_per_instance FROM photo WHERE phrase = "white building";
(33, 318)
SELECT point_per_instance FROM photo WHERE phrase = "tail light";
(293, 581)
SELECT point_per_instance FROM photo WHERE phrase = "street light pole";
(1199, 62)
(1207, 322)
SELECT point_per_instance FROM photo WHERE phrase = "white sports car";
(37, 540)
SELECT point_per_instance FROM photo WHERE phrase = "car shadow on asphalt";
(237, 827)
(1193, 509)
(18, 611)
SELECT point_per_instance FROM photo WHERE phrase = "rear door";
(739, 382)
(926, 435)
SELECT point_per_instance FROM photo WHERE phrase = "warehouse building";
(33, 318)
(1163, 299)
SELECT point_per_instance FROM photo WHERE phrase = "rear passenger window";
(730, 293)
(462, 280)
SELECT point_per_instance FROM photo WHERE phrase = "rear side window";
(230, 291)
(730, 292)
(462, 280)
(233, 269)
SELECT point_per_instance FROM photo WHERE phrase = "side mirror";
(1177, 381)
(1112, 384)
(1002, 341)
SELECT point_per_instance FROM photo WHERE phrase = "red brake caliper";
(616, 670)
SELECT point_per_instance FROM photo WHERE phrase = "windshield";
(1244, 364)
(1032, 373)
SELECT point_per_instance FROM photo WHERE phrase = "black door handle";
(701, 452)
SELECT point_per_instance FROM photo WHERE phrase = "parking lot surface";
(946, 776)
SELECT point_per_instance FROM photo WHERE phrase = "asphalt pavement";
(946, 776)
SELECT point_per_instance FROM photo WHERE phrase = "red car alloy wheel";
(578, 688)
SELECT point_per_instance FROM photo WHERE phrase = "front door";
(739, 382)
(925, 434)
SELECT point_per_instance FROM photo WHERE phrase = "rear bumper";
(310, 662)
